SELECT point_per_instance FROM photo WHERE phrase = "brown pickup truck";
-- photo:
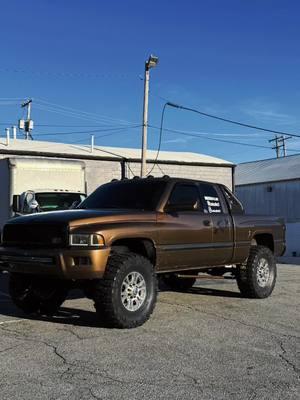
(127, 232)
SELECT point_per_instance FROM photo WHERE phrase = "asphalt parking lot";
(205, 344)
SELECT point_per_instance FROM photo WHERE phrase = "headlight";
(84, 239)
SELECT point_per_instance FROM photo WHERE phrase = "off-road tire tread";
(103, 290)
(247, 287)
(30, 304)
(33, 303)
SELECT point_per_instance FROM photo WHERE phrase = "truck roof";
(151, 178)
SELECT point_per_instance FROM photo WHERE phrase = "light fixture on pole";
(150, 63)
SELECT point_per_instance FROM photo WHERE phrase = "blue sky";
(237, 59)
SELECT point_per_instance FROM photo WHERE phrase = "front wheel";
(33, 294)
(257, 277)
(126, 296)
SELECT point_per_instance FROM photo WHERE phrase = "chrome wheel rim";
(263, 272)
(133, 291)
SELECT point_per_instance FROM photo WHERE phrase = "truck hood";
(82, 217)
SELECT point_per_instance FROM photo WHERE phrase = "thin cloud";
(268, 113)
(177, 140)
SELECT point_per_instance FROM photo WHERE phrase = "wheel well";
(144, 247)
(264, 239)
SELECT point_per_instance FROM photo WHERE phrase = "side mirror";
(16, 206)
(74, 205)
(180, 207)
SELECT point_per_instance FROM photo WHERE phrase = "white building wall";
(100, 171)
(206, 173)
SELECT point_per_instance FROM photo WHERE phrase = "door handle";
(206, 222)
(222, 224)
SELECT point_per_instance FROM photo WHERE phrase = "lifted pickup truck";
(125, 234)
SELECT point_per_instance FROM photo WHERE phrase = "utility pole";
(27, 125)
(284, 138)
(276, 147)
(150, 63)
(280, 145)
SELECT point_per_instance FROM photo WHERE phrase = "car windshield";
(57, 201)
(131, 194)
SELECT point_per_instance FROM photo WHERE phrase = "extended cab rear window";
(210, 199)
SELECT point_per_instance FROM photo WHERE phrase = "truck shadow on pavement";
(214, 292)
(80, 317)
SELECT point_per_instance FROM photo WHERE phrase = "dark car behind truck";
(125, 234)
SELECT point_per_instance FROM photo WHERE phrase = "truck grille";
(34, 235)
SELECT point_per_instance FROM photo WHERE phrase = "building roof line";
(269, 159)
(109, 158)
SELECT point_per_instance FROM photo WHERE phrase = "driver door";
(185, 233)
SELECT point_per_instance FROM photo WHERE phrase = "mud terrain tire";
(36, 295)
(257, 277)
(126, 296)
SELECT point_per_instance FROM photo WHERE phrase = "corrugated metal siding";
(273, 170)
(283, 200)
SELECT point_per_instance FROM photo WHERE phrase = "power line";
(229, 120)
(101, 136)
(73, 114)
(160, 138)
(65, 74)
(189, 134)
(89, 131)
(72, 126)
(202, 136)
(85, 113)
(168, 103)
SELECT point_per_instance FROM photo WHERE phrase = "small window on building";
(210, 199)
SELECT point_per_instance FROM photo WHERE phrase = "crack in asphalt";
(9, 348)
(93, 395)
(190, 307)
(283, 356)
(72, 367)
(76, 368)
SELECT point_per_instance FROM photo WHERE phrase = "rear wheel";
(257, 277)
(37, 295)
(178, 284)
(126, 296)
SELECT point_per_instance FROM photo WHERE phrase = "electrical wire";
(203, 136)
(71, 114)
(229, 120)
(67, 74)
(168, 103)
(80, 112)
(70, 126)
(88, 131)
(160, 138)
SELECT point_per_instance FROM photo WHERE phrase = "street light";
(150, 63)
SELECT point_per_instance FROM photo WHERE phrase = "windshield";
(131, 194)
(57, 201)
